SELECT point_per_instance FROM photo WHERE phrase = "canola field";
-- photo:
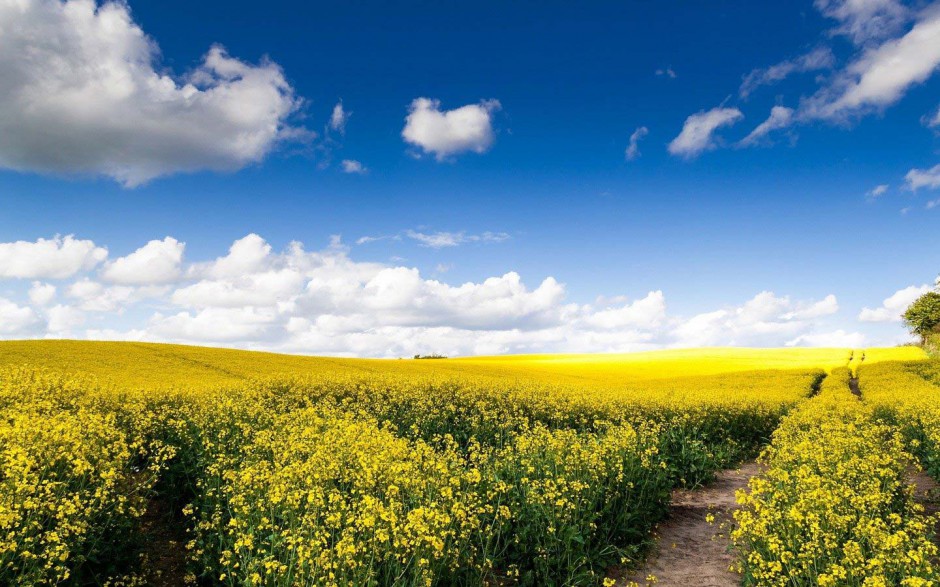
(527, 470)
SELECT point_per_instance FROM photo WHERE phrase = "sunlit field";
(147, 365)
(261, 469)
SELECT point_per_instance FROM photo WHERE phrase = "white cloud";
(932, 204)
(217, 325)
(836, 339)
(324, 302)
(893, 306)
(923, 178)
(882, 75)
(61, 319)
(41, 294)
(878, 191)
(157, 262)
(442, 239)
(448, 132)
(698, 130)
(667, 72)
(55, 258)
(339, 118)
(764, 320)
(246, 255)
(933, 120)
(865, 20)
(83, 92)
(780, 117)
(803, 311)
(817, 59)
(92, 296)
(353, 166)
(266, 288)
(645, 313)
(633, 149)
(16, 319)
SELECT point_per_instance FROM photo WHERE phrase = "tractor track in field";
(927, 494)
(164, 551)
(689, 550)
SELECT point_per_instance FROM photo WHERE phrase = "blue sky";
(531, 176)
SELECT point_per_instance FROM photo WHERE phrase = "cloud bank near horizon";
(326, 302)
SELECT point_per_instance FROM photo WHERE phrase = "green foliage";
(923, 316)
(932, 345)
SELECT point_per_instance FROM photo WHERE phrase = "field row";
(834, 505)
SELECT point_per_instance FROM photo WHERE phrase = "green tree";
(923, 316)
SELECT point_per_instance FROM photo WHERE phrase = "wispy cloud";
(865, 21)
(780, 117)
(878, 191)
(923, 178)
(438, 239)
(338, 118)
(698, 130)
(633, 149)
(817, 59)
(881, 75)
(353, 166)
(666, 72)
(442, 239)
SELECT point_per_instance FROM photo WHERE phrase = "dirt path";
(926, 493)
(689, 551)
(164, 553)
(854, 387)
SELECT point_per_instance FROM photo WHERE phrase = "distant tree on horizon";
(922, 317)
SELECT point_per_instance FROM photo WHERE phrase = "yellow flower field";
(529, 470)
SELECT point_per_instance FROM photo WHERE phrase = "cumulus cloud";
(646, 313)
(41, 294)
(882, 74)
(55, 258)
(894, 305)
(353, 166)
(633, 149)
(923, 178)
(61, 319)
(865, 20)
(92, 296)
(835, 339)
(325, 302)
(444, 133)
(764, 320)
(698, 130)
(15, 319)
(157, 262)
(780, 117)
(817, 59)
(82, 92)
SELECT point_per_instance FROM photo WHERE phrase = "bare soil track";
(164, 553)
(927, 494)
(689, 550)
